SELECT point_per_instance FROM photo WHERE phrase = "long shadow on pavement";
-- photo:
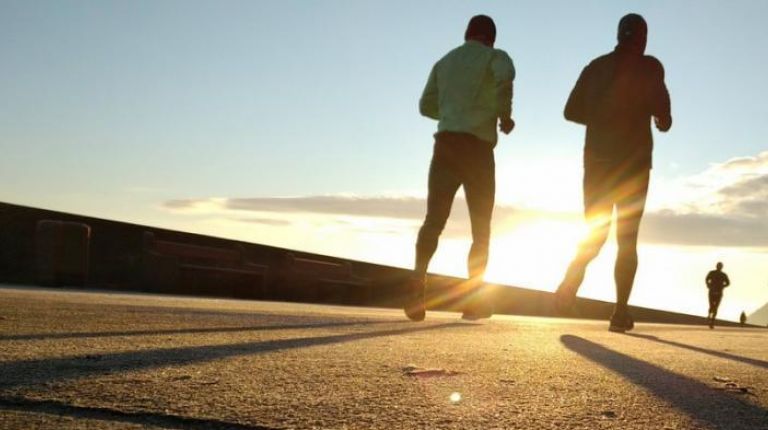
(58, 409)
(31, 372)
(698, 400)
(196, 330)
(752, 361)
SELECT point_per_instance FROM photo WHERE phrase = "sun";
(534, 254)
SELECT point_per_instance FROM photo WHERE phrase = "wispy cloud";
(757, 163)
(387, 207)
(387, 214)
(266, 221)
(727, 206)
(404, 208)
(748, 196)
(737, 187)
(704, 229)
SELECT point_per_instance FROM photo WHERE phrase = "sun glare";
(534, 254)
(550, 184)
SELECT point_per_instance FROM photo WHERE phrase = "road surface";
(74, 359)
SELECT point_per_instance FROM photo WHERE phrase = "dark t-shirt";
(717, 281)
(615, 97)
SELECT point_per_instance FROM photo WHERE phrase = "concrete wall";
(116, 251)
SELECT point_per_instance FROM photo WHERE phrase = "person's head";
(719, 266)
(633, 32)
(481, 28)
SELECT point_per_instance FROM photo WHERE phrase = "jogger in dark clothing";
(616, 97)
(716, 281)
(469, 91)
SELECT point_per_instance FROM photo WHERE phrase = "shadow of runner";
(53, 336)
(696, 399)
(752, 361)
(59, 409)
(31, 372)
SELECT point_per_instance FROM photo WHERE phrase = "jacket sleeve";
(661, 109)
(503, 74)
(428, 104)
(576, 106)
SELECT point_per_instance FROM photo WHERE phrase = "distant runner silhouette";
(717, 281)
(469, 92)
(616, 96)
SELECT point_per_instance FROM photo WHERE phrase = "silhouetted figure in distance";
(716, 281)
(743, 319)
(469, 92)
(616, 96)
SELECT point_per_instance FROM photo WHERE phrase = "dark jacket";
(615, 97)
(717, 281)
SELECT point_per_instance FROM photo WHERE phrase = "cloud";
(757, 186)
(387, 214)
(726, 206)
(386, 207)
(408, 208)
(180, 203)
(749, 164)
(704, 229)
(213, 204)
(402, 215)
(748, 196)
(357, 227)
(403, 208)
(734, 189)
(266, 221)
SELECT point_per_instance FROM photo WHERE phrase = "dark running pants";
(608, 186)
(714, 302)
(459, 159)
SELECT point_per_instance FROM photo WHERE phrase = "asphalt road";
(103, 360)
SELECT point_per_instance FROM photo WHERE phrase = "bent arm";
(503, 75)
(504, 94)
(662, 109)
(575, 107)
(428, 103)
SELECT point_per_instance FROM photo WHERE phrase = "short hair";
(719, 265)
(481, 26)
(632, 26)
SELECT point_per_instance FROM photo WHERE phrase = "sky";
(295, 124)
